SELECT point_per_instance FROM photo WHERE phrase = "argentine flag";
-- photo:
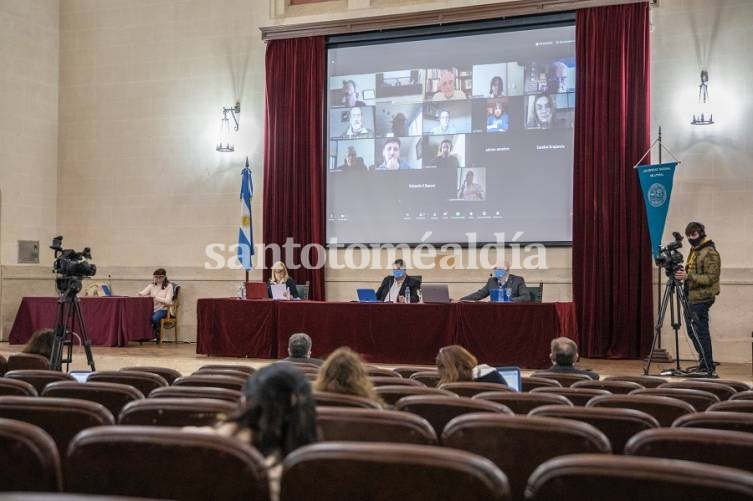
(245, 244)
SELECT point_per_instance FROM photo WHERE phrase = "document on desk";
(279, 291)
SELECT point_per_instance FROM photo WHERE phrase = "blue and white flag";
(245, 240)
(656, 185)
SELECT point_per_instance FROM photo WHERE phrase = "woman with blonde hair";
(280, 276)
(456, 364)
(344, 372)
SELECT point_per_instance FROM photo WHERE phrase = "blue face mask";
(398, 273)
(500, 274)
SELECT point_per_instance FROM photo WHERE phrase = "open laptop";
(435, 293)
(366, 295)
(511, 375)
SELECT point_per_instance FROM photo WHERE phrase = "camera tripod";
(674, 298)
(68, 314)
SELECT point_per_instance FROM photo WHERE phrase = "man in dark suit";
(501, 277)
(392, 289)
(564, 354)
(299, 350)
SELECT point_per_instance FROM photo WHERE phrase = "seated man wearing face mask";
(393, 286)
(501, 277)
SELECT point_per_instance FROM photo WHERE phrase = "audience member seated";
(161, 291)
(564, 354)
(502, 278)
(276, 416)
(299, 350)
(456, 364)
(344, 372)
(392, 289)
(40, 343)
(280, 277)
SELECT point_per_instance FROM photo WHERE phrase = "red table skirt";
(110, 321)
(498, 334)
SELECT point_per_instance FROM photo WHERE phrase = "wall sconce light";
(705, 117)
(224, 144)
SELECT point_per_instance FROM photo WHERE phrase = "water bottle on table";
(407, 295)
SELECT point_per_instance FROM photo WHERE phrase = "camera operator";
(161, 290)
(701, 277)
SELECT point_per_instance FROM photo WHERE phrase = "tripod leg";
(56, 354)
(84, 336)
(657, 327)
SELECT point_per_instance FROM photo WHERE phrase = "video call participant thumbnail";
(391, 159)
(356, 128)
(447, 90)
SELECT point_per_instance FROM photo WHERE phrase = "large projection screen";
(449, 135)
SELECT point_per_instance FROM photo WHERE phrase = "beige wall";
(139, 181)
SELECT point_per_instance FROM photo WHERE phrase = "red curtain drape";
(294, 154)
(611, 249)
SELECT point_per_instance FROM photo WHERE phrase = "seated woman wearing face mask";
(393, 287)
(501, 277)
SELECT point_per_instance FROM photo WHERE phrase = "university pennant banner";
(656, 186)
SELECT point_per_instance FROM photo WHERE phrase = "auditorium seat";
(722, 391)
(145, 382)
(62, 418)
(324, 398)
(221, 372)
(441, 410)
(720, 447)
(229, 382)
(16, 387)
(528, 383)
(167, 373)
(175, 412)
(389, 472)
(737, 385)
(197, 392)
(300, 365)
(428, 378)
(518, 444)
(733, 421)
(29, 459)
(408, 371)
(235, 367)
(372, 425)
(393, 381)
(3, 365)
(664, 409)
(470, 388)
(645, 381)
(700, 400)
(614, 387)
(39, 378)
(372, 371)
(742, 395)
(309, 369)
(391, 394)
(563, 378)
(625, 478)
(732, 406)
(113, 396)
(522, 403)
(618, 425)
(25, 361)
(164, 463)
(578, 396)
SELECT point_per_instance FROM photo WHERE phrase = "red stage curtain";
(294, 152)
(611, 250)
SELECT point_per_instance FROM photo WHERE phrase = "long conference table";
(498, 334)
(110, 321)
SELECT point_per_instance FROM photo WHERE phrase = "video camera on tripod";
(669, 257)
(70, 268)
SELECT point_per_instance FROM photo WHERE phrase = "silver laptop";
(435, 293)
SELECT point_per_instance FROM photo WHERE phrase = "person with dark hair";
(299, 350)
(350, 94)
(276, 415)
(391, 156)
(541, 112)
(392, 288)
(344, 372)
(353, 163)
(40, 343)
(399, 126)
(501, 277)
(161, 291)
(701, 277)
(445, 158)
(498, 120)
(563, 354)
(496, 87)
(456, 364)
(356, 129)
